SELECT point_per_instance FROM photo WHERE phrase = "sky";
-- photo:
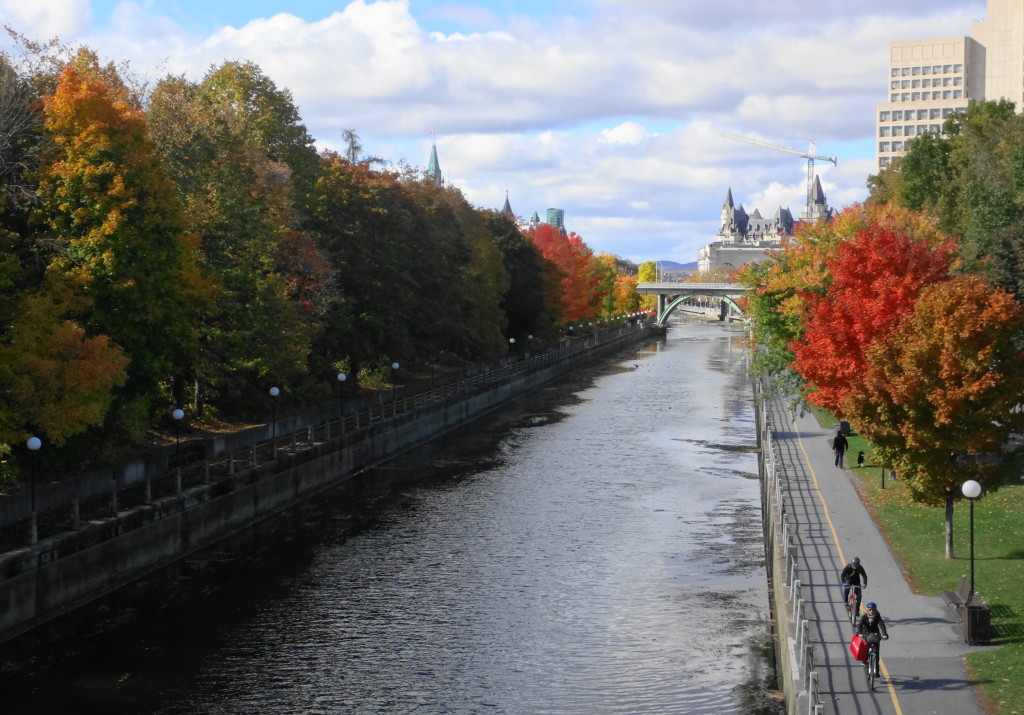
(612, 110)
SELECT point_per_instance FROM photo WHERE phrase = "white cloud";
(44, 20)
(615, 116)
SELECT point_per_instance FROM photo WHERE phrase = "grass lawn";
(917, 536)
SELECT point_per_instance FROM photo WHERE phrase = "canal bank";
(240, 481)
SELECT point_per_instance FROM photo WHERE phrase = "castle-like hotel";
(744, 238)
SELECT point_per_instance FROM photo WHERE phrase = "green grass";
(916, 535)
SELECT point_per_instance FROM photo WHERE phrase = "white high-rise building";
(930, 79)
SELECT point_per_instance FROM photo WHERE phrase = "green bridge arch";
(678, 300)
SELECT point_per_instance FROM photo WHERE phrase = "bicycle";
(853, 603)
(871, 664)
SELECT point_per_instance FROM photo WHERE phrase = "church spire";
(434, 166)
(507, 208)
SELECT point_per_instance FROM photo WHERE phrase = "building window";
(922, 113)
(905, 96)
(897, 131)
(915, 96)
(926, 83)
(934, 113)
(883, 161)
(904, 71)
(916, 84)
(958, 68)
(897, 146)
(958, 93)
(946, 69)
(947, 81)
(883, 131)
(895, 84)
(934, 128)
(946, 94)
(894, 72)
(936, 69)
(883, 146)
(883, 116)
(894, 97)
(936, 95)
(926, 70)
(905, 84)
(897, 115)
(958, 81)
(922, 129)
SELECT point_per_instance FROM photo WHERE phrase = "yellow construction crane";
(809, 155)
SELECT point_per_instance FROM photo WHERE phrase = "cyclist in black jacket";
(853, 574)
(871, 628)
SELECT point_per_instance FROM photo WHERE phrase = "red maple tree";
(876, 277)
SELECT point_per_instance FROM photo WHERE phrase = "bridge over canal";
(672, 294)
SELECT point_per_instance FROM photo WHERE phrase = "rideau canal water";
(595, 548)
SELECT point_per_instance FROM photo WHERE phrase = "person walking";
(853, 574)
(839, 445)
(871, 627)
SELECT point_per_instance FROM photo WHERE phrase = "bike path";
(923, 671)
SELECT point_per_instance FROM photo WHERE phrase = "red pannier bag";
(859, 647)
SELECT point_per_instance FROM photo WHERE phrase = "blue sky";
(612, 110)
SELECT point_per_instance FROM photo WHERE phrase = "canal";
(595, 548)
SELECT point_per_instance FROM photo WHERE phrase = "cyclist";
(871, 628)
(853, 574)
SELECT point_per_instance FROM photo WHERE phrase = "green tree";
(273, 286)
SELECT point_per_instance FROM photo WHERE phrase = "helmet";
(871, 604)
(856, 559)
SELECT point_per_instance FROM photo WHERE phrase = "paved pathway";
(922, 665)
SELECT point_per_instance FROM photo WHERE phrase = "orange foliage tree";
(115, 223)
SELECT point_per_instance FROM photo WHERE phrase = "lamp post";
(33, 444)
(972, 490)
(274, 392)
(511, 345)
(177, 414)
(394, 369)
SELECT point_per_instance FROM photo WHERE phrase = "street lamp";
(33, 444)
(972, 490)
(178, 414)
(274, 392)
(394, 368)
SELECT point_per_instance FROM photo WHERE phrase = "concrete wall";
(43, 581)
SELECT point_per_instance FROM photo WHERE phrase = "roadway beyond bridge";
(672, 294)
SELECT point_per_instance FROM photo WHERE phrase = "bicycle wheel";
(870, 672)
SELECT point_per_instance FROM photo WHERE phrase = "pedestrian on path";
(871, 628)
(853, 574)
(839, 445)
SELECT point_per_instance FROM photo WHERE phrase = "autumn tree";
(113, 227)
(875, 277)
(940, 393)
(580, 276)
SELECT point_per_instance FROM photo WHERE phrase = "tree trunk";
(949, 524)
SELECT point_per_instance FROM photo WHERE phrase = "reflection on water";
(595, 549)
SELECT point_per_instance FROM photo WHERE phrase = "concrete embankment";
(67, 569)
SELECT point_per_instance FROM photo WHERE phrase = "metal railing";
(96, 502)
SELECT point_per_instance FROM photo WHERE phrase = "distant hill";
(673, 266)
